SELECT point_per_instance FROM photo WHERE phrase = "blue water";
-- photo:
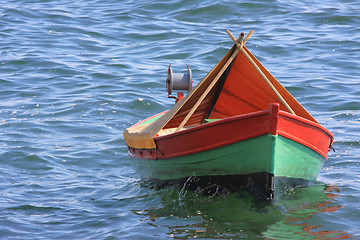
(75, 74)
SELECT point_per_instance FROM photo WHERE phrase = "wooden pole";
(248, 36)
(211, 85)
(261, 73)
(268, 82)
(240, 42)
(208, 89)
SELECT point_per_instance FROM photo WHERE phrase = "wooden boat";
(238, 126)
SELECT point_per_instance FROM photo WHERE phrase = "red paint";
(274, 119)
(180, 96)
(305, 132)
(143, 153)
(239, 128)
(213, 135)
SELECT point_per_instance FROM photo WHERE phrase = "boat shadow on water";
(212, 212)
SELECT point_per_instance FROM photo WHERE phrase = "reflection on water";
(303, 208)
(295, 215)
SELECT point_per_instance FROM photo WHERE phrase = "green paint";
(150, 120)
(211, 120)
(295, 160)
(267, 153)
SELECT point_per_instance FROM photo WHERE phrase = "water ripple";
(75, 74)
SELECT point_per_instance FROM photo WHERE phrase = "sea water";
(75, 74)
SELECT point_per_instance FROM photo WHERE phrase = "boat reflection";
(300, 213)
(306, 215)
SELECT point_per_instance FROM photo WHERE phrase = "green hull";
(271, 154)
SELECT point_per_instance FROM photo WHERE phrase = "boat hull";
(263, 150)
(278, 155)
(269, 162)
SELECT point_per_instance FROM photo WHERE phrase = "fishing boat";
(238, 126)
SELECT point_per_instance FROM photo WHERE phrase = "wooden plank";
(260, 72)
(268, 82)
(240, 41)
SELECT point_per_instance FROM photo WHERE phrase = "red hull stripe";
(239, 128)
(305, 132)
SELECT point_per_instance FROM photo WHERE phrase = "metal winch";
(178, 81)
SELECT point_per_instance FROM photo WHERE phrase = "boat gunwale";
(253, 115)
(210, 124)
(280, 115)
(314, 124)
(228, 119)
